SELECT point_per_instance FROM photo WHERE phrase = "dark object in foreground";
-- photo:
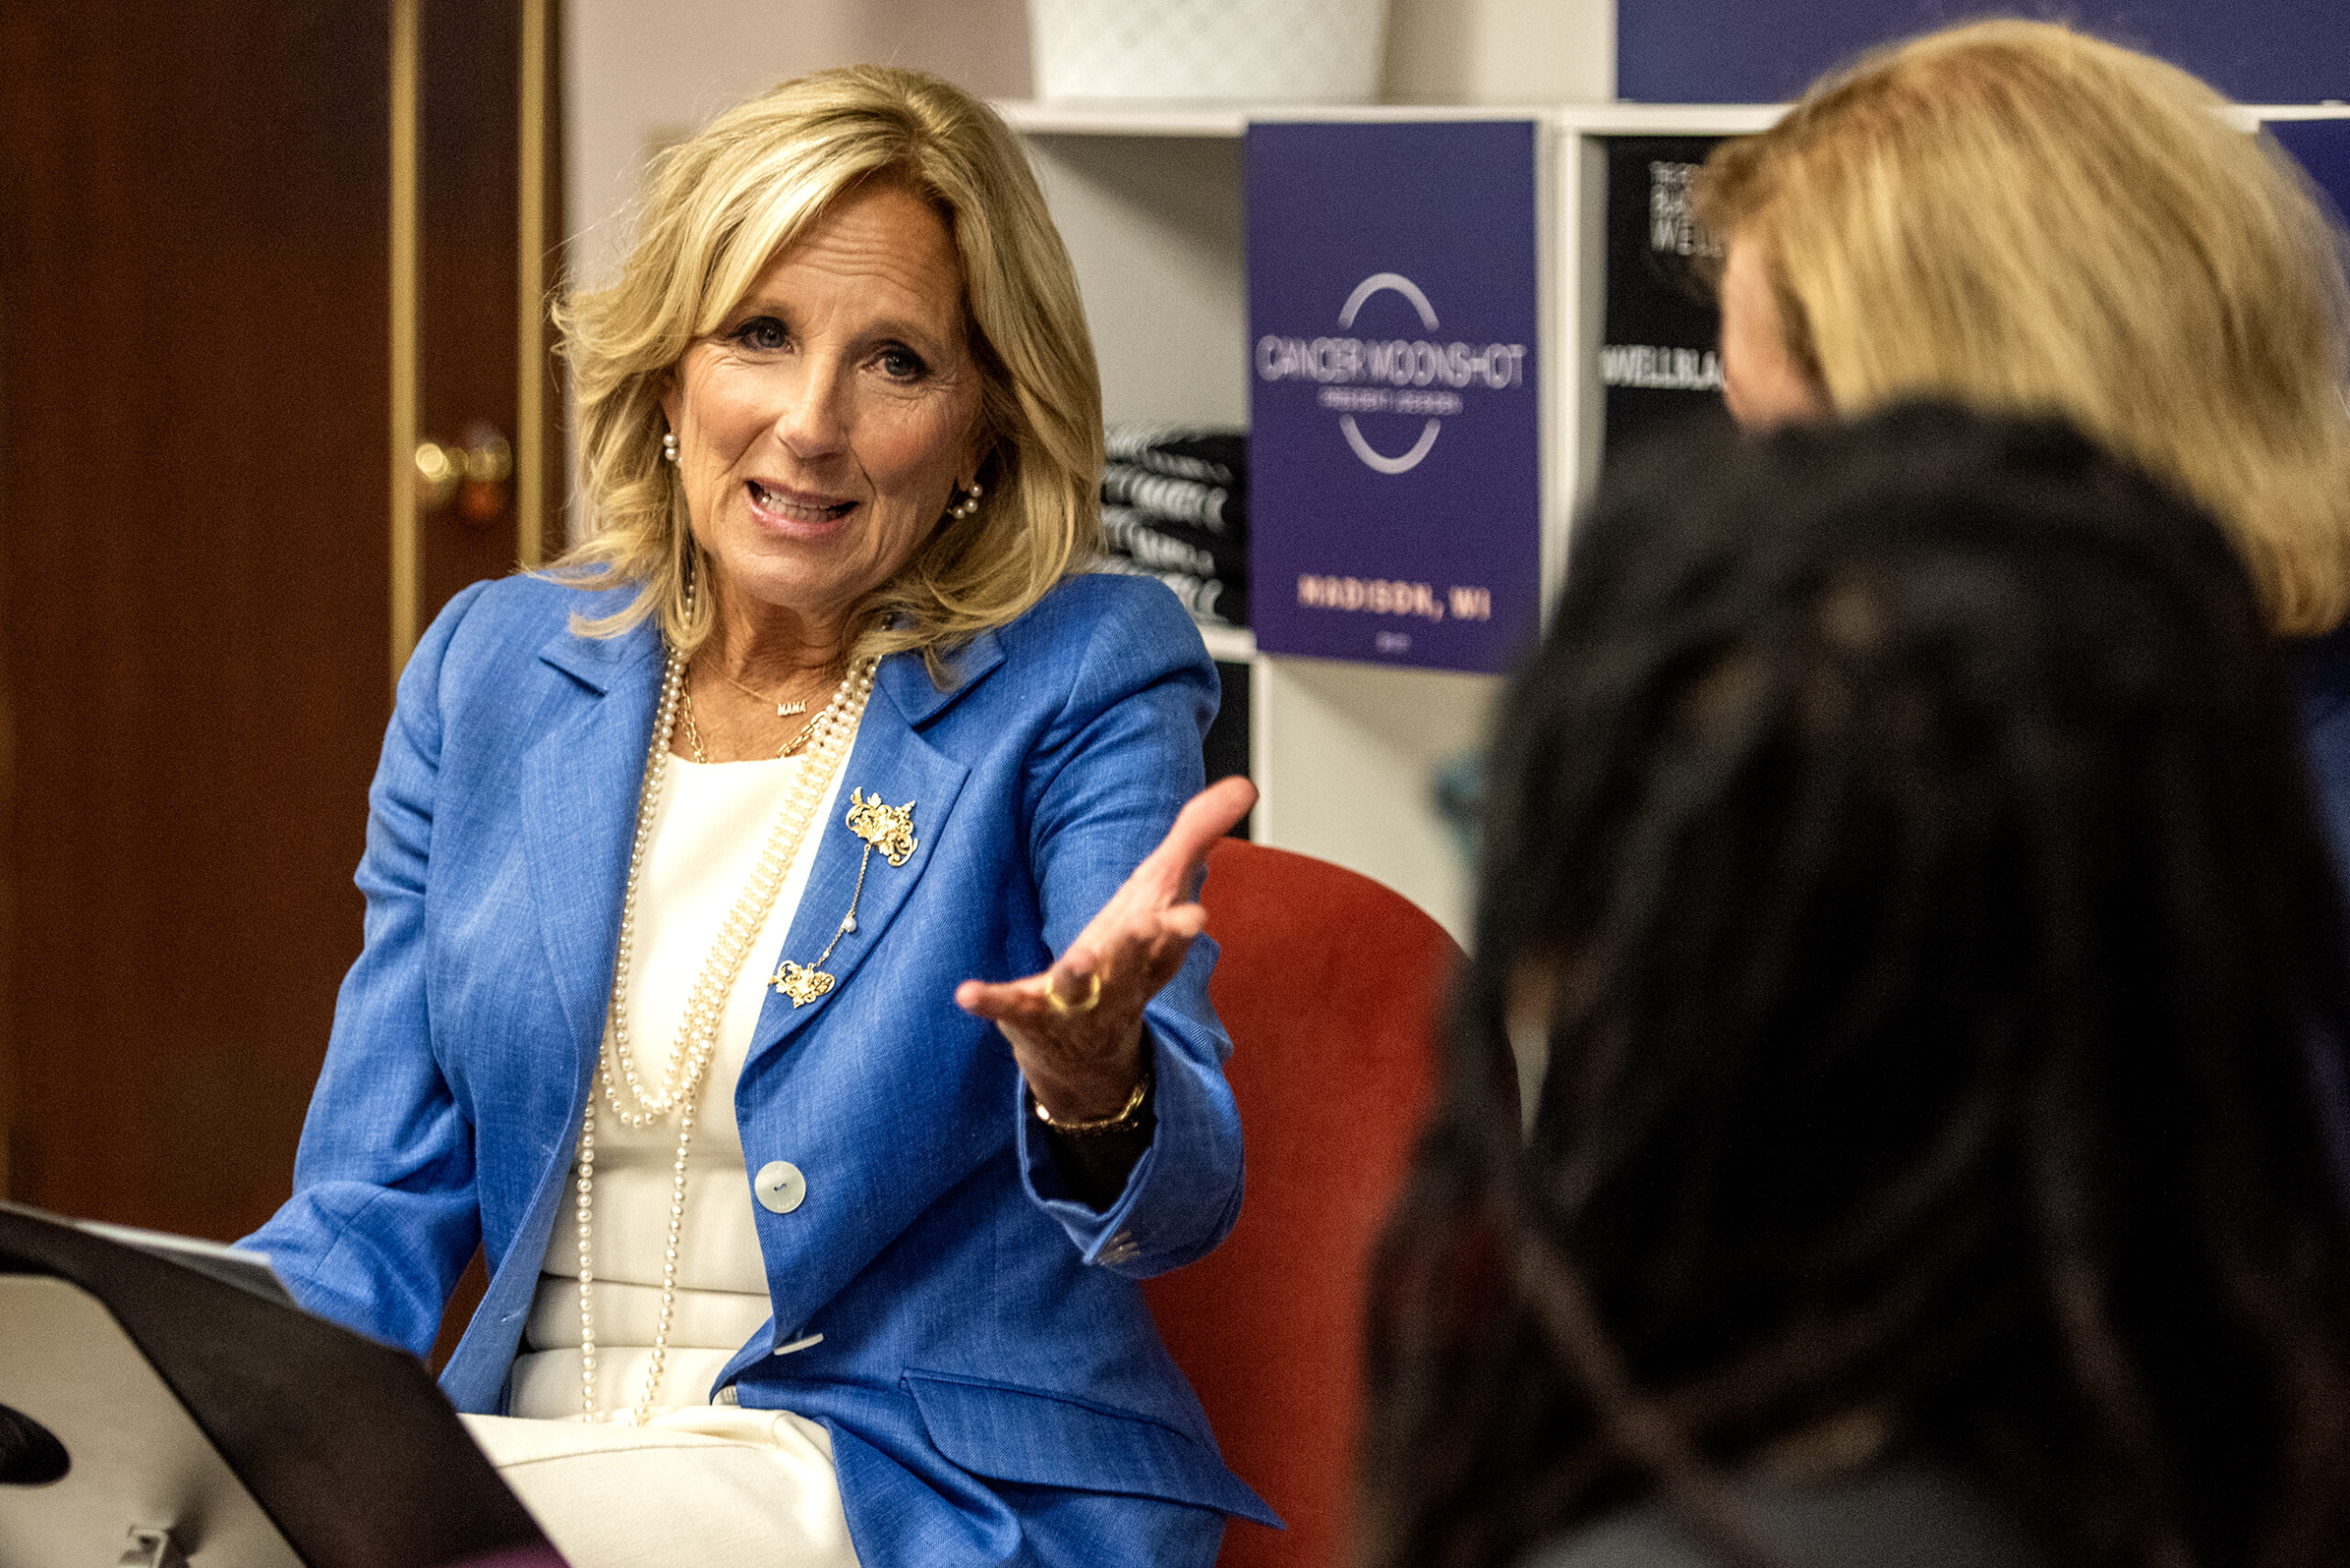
(137, 1394)
(1901, 855)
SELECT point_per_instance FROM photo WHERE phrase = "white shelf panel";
(1229, 644)
(1123, 116)
(2247, 117)
(1144, 116)
(1153, 226)
(1394, 114)
(1667, 119)
(1345, 757)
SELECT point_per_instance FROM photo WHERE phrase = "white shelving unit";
(1229, 644)
(1148, 197)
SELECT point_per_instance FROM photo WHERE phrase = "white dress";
(698, 1483)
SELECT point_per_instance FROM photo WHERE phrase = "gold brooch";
(804, 985)
(890, 830)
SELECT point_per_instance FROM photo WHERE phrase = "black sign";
(1660, 356)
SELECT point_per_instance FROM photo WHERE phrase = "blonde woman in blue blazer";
(815, 820)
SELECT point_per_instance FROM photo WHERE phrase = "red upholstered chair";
(1329, 983)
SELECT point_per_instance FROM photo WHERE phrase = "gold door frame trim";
(530, 404)
(408, 543)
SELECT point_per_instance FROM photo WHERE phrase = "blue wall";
(1760, 51)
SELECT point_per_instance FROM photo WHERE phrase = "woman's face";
(1761, 382)
(825, 427)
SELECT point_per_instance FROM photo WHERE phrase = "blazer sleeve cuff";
(1174, 1208)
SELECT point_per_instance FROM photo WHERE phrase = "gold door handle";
(478, 474)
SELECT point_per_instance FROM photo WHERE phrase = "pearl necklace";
(705, 1005)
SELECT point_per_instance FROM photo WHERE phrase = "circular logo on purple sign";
(1391, 376)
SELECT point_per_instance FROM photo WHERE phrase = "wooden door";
(250, 251)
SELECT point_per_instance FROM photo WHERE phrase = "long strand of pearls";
(705, 1005)
(698, 1030)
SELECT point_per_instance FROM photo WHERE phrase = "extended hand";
(1083, 1059)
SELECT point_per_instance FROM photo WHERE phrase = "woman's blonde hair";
(2025, 217)
(720, 206)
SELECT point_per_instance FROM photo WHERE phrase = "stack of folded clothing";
(1175, 506)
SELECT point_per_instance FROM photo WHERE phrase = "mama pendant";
(890, 830)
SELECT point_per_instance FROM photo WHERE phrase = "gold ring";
(1093, 998)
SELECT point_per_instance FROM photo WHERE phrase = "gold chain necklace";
(693, 731)
(782, 709)
(705, 1005)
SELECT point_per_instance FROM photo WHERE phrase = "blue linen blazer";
(988, 1373)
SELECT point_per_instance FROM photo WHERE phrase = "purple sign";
(1734, 52)
(1395, 468)
(2323, 148)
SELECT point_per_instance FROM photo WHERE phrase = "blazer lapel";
(891, 761)
(580, 788)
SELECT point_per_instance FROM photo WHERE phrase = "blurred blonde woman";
(780, 917)
(2028, 219)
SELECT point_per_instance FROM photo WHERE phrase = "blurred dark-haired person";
(1902, 846)
(2029, 219)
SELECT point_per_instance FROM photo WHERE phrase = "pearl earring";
(669, 445)
(968, 504)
